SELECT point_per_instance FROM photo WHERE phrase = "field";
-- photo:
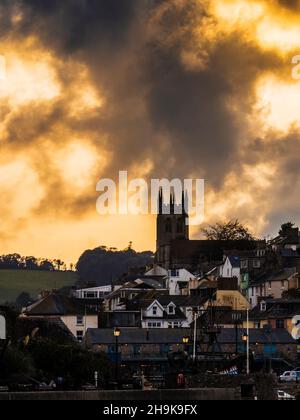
(14, 282)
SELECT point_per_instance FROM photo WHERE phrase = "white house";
(231, 268)
(158, 316)
(178, 281)
(94, 292)
(76, 316)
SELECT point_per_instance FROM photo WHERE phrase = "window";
(80, 320)
(171, 310)
(154, 324)
(256, 264)
(244, 264)
(79, 336)
(175, 273)
(257, 325)
(270, 285)
(263, 306)
(154, 310)
(280, 324)
(283, 284)
(179, 227)
(90, 295)
(169, 226)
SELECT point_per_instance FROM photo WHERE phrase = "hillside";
(14, 282)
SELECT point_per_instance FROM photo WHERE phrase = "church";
(175, 250)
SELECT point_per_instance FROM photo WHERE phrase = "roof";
(57, 305)
(281, 275)
(235, 261)
(175, 336)
(157, 271)
(190, 251)
(277, 309)
(146, 283)
(143, 301)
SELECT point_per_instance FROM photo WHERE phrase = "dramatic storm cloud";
(174, 88)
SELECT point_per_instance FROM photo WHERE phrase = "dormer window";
(171, 310)
(263, 307)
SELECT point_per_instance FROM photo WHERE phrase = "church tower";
(172, 224)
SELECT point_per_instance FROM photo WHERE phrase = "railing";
(144, 356)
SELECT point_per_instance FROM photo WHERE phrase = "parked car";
(290, 377)
(283, 396)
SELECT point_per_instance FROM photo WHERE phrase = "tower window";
(169, 226)
(179, 227)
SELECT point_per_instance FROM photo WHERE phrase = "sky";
(159, 88)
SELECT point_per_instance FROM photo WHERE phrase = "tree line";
(19, 262)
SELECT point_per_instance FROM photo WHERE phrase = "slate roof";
(140, 283)
(57, 305)
(235, 261)
(143, 301)
(277, 309)
(281, 275)
(175, 336)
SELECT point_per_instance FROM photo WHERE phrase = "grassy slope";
(14, 282)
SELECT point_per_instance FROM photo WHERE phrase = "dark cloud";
(180, 100)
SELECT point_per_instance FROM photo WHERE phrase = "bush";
(55, 360)
(16, 362)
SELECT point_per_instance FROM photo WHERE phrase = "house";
(204, 287)
(178, 281)
(159, 314)
(75, 314)
(231, 268)
(116, 301)
(278, 313)
(289, 238)
(273, 285)
(228, 294)
(93, 292)
(178, 311)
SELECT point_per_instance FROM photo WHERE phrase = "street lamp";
(186, 342)
(247, 350)
(117, 334)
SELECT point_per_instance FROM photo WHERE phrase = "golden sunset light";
(72, 114)
(150, 223)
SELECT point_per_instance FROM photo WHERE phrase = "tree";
(23, 300)
(16, 362)
(46, 265)
(31, 263)
(230, 231)
(99, 266)
(58, 264)
(70, 360)
(286, 227)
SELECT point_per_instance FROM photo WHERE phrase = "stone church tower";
(172, 224)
